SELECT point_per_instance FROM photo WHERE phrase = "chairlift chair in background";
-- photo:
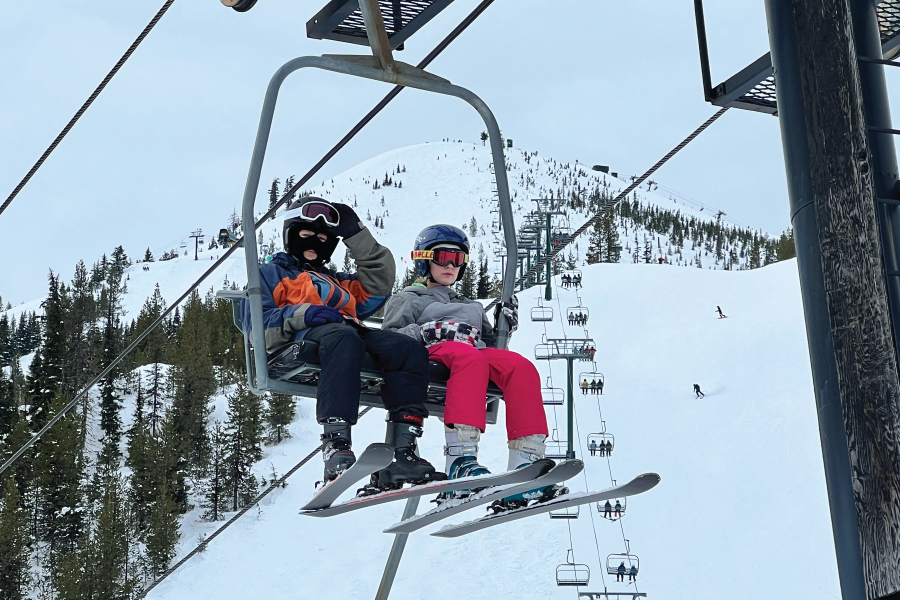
(595, 440)
(572, 573)
(613, 514)
(556, 448)
(614, 561)
(573, 313)
(552, 396)
(541, 314)
(573, 276)
(594, 379)
(571, 512)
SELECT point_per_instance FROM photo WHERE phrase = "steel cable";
(611, 204)
(202, 545)
(271, 212)
(87, 104)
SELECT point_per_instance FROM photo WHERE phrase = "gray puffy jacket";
(417, 305)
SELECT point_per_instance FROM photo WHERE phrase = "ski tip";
(379, 447)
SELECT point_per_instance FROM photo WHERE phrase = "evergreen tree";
(214, 490)
(612, 251)
(245, 432)
(279, 416)
(274, 194)
(9, 411)
(68, 576)
(483, 288)
(108, 549)
(14, 545)
(784, 248)
(595, 243)
(59, 468)
(46, 373)
(349, 264)
(163, 534)
(466, 284)
(195, 383)
(152, 348)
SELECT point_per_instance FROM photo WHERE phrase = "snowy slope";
(741, 511)
(447, 182)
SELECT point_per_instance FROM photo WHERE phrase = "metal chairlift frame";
(578, 574)
(542, 314)
(601, 437)
(556, 448)
(381, 66)
(623, 505)
(628, 558)
(576, 309)
(590, 376)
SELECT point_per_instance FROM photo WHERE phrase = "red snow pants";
(470, 370)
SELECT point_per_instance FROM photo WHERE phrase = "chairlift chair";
(573, 311)
(571, 573)
(552, 396)
(600, 444)
(295, 369)
(613, 561)
(182, 245)
(556, 448)
(595, 382)
(613, 514)
(571, 512)
(542, 314)
(574, 275)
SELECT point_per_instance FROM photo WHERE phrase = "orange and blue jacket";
(288, 289)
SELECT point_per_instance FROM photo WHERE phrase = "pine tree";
(466, 284)
(214, 488)
(9, 411)
(148, 256)
(279, 415)
(108, 548)
(195, 383)
(245, 432)
(483, 289)
(14, 545)
(59, 467)
(595, 244)
(274, 194)
(163, 533)
(349, 264)
(610, 234)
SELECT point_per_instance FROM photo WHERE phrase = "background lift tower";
(831, 100)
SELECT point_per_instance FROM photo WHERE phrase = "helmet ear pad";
(296, 245)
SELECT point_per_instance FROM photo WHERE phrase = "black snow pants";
(342, 347)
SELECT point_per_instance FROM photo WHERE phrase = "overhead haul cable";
(271, 212)
(88, 102)
(606, 207)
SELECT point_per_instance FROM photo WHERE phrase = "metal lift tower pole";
(834, 176)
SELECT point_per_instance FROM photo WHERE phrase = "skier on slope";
(302, 299)
(458, 334)
(721, 314)
(697, 391)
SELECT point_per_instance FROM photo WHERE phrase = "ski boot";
(336, 448)
(462, 459)
(522, 452)
(408, 467)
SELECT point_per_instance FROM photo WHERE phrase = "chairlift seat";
(573, 575)
(295, 370)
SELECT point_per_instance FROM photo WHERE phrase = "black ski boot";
(336, 451)
(407, 467)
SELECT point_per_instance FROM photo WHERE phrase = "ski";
(638, 485)
(374, 458)
(559, 473)
(536, 469)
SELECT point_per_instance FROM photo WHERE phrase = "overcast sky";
(165, 149)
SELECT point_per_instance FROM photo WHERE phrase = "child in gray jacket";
(458, 334)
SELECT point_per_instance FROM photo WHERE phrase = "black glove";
(510, 310)
(350, 224)
(319, 315)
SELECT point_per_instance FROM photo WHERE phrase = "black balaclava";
(297, 245)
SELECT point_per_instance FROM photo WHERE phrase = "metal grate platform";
(341, 20)
(754, 87)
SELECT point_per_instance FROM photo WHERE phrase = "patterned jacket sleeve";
(281, 324)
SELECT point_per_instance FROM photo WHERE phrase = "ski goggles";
(442, 257)
(313, 210)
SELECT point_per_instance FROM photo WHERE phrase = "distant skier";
(571, 318)
(620, 571)
(608, 447)
(697, 391)
(600, 386)
(584, 387)
(632, 573)
(607, 510)
(593, 448)
(618, 509)
(721, 314)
